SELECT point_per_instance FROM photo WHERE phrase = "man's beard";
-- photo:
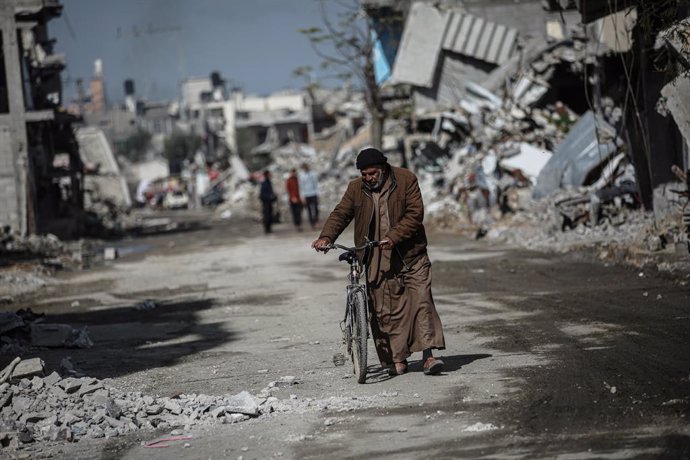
(376, 186)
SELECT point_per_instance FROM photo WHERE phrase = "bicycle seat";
(348, 256)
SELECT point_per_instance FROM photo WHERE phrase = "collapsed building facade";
(40, 168)
(563, 101)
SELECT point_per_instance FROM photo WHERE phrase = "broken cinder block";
(28, 368)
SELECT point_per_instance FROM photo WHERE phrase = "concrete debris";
(71, 409)
(29, 368)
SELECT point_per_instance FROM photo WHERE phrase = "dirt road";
(548, 356)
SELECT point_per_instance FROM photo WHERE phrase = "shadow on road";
(452, 362)
(127, 340)
(378, 374)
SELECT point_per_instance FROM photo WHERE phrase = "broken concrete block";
(79, 429)
(21, 404)
(154, 409)
(112, 409)
(52, 379)
(28, 368)
(243, 403)
(70, 385)
(90, 388)
(235, 418)
(217, 412)
(50, 335)
(173, 407)
(37, 383)
(57, 392)
(95, 432)
(62, 433)
(68, 418)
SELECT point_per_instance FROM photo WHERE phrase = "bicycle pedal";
(339, 359)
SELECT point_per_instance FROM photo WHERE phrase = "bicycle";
(355, 325)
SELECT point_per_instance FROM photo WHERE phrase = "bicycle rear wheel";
(358, 335)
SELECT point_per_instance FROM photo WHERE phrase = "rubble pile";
(12, 243)
(24, 329)
(541, 225)
(35, 408)
(53, 408)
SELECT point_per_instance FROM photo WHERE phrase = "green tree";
(181, 146)
(346, 42)
(134, 148)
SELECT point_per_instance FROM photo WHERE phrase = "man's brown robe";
(404, 318)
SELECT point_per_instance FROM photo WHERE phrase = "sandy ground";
(549, 356)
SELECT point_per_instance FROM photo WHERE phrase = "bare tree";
(345, 41)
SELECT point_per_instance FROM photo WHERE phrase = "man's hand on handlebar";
(386, 244)
(321, 244)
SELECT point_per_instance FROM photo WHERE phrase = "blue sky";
(253, 43)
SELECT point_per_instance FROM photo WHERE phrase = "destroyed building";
(40, 168)
(551, 96)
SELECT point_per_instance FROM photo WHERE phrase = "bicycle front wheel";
(358, 335)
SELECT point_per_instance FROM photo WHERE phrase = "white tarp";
(530, 161)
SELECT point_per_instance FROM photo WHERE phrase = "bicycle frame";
(355, 318)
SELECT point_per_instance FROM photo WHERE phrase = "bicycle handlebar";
(368, 244)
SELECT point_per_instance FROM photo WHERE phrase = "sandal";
(398, 369)
(433, 366)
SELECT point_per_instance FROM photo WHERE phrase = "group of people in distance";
(303, 191)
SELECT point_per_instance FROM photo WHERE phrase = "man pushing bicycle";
(386, 205)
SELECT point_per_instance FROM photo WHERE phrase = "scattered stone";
(285, 381)
(37, 383)
(243, 403)
(329, 422)
(70, 385)
(90, 388)
(154, 409)
(52, 379)
(235, 418)
(110, 254)
(28, 368)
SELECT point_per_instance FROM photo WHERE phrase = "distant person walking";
(292, 187)
(267, 198)
(309, 188)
